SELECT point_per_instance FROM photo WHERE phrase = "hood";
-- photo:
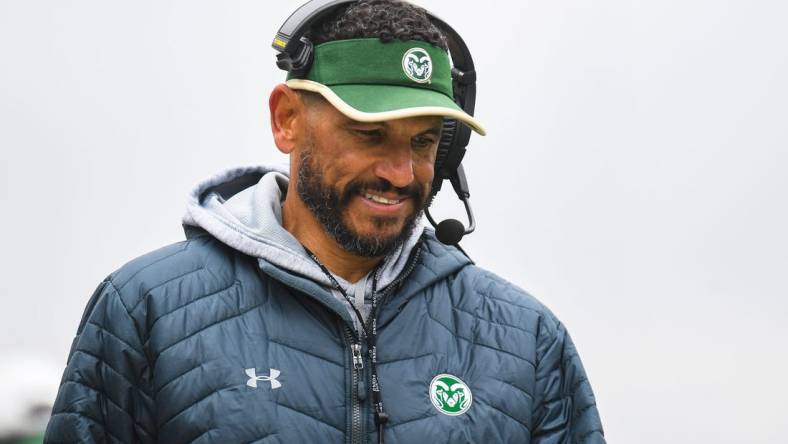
(242, 207)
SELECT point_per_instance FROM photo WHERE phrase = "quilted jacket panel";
(166, 344)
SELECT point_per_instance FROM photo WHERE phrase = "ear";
(287, 117)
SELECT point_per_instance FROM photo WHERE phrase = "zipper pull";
(358, 360)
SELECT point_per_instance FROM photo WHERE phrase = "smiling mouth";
(380, 199)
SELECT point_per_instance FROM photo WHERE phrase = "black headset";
(295, 56)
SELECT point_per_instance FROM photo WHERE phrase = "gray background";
(634, 179)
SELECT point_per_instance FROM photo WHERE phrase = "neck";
(304, 226)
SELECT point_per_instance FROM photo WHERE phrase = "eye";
(368, 135)
(424, 142)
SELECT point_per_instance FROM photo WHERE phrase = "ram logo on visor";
(417, 65)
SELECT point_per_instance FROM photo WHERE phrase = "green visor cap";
(371, 81)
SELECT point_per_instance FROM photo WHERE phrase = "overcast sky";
(634, 177)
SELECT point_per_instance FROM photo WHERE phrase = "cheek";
(333, 164)
(424, 169)
(352, 164)
(423, 174)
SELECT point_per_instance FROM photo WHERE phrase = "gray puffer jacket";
(199, 342)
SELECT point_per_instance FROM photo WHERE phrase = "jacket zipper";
(356, 430)
(356, 375)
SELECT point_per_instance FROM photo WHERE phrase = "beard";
(330, 207)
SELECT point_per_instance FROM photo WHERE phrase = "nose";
(396, 166)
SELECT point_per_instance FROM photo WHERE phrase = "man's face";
(367, 183)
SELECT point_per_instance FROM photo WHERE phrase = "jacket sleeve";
(102, 396)
(566, 412)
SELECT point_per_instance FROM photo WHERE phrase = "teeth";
(380, 199)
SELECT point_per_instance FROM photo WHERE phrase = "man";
(313, 307)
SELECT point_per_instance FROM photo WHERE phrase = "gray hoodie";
(242, 207)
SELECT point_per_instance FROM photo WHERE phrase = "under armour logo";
(253, 378)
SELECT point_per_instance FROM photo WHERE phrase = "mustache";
(413, 190)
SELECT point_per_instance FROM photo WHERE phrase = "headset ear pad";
(449, 155)
(444, 146)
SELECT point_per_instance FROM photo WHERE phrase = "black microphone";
(450, 231)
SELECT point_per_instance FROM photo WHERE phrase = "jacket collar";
(430, 262)
(435, 263)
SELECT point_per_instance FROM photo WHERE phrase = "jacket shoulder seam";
(185, 245)
(140, 298)
(235, 283)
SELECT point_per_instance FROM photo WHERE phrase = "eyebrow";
(435, 130)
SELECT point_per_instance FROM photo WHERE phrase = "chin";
(380, 227)
(373, 236)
